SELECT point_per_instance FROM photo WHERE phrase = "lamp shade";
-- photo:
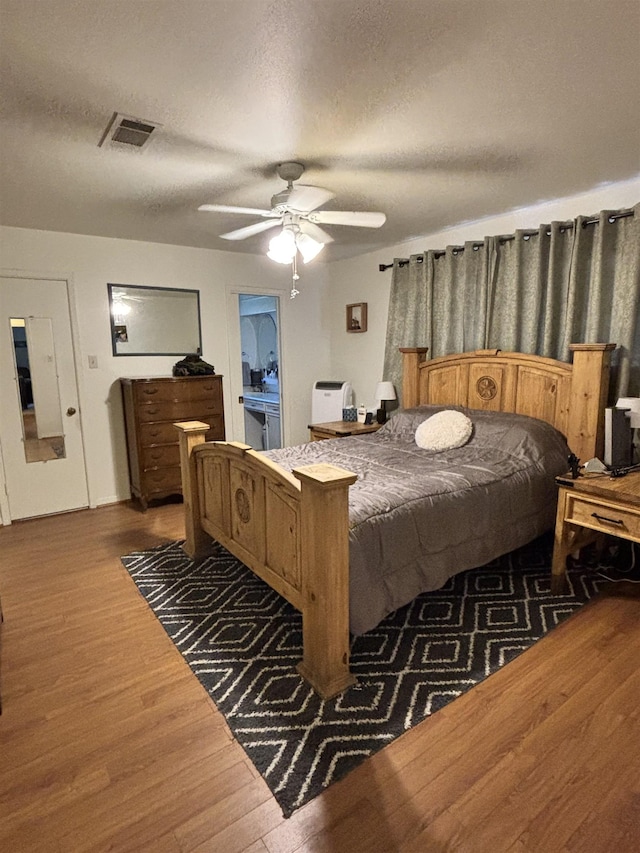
(282, 247)
(632, 403)
(308, 247)
(385, 391)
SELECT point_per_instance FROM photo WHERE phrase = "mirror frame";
(140, 287)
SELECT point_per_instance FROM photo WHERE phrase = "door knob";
(70, 411)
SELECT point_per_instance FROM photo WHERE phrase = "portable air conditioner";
(328, 399)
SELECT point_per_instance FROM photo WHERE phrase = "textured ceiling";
(435, 112)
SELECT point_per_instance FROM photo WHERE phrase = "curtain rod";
(528, 233)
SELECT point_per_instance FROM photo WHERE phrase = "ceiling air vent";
(128, 132)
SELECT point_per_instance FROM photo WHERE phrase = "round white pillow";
(444, 431)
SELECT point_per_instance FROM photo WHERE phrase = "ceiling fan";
(295, 210)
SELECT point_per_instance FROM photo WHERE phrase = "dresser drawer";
(161, 456)
(168, 390)
(216, 422)
(166, 433)
(176, 410)
(607, 518)
(167, 480)
(158, 433)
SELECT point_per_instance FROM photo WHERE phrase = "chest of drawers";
(151, 407)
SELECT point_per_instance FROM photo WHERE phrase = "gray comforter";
(418, 517)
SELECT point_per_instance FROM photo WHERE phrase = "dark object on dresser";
(193, 365)
(151, 407)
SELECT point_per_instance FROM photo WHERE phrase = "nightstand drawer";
(602, 516)
(318, 435)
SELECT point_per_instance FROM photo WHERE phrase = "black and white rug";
(242, 641)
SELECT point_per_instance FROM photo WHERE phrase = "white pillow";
(444, 431)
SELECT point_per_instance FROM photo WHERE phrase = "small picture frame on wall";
(357, 317)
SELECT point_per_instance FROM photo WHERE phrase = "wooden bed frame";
(292, 530)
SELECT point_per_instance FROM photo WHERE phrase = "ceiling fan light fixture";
(308, 247)
(282, 247)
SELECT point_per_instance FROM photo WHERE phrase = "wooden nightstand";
(591, 505)
(339, 429)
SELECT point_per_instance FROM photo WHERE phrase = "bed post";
(192, 433)
(412, 358)
(589, 392)
(324, 498)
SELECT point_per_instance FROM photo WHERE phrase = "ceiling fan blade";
(362, 219)
(306, 199)
(318, 234)
(227, 208)
(250, 230)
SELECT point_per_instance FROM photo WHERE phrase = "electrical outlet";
(93, 362)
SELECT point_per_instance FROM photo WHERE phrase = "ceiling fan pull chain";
(294, 276)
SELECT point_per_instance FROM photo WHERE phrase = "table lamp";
(385, 392)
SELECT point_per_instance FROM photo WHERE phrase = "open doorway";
(260, 346)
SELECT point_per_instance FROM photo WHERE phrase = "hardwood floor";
(108, 742)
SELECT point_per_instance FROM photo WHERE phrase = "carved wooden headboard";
(571, 397)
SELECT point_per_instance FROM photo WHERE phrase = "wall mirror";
(154, 320)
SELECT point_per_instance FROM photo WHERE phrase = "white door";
(40, 433)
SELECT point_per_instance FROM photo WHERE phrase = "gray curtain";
(533, 291)
(439, 300)
(604, 292)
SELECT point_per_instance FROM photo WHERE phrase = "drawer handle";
(153, 411)
(150, 391)
(607, 520)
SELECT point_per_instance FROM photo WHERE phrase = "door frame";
(234, 355)
(67, 279)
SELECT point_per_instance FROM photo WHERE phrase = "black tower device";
(618, 438)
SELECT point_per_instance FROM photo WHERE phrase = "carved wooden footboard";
(292, 530)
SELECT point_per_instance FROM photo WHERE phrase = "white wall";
(91, 262)
(360, 357)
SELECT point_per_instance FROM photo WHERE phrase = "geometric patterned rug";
(242, 641)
